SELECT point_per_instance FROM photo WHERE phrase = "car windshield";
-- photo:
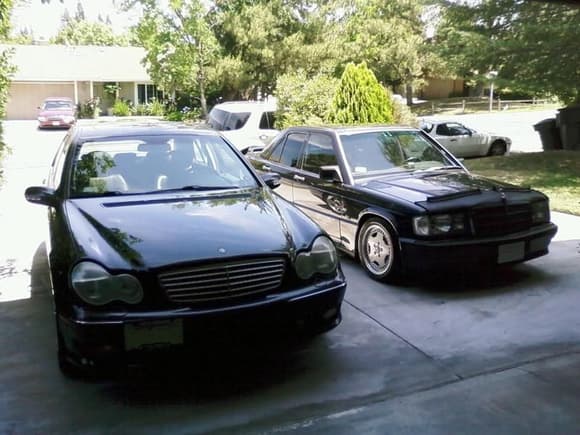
(222, 120)
(156, 163)
(55, 105)
(377, 152)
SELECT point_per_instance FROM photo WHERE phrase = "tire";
(378, 250)
(498, 148)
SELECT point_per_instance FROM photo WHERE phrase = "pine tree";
(360, 98)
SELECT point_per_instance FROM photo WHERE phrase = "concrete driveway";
(439, 355)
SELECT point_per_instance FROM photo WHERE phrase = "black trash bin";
(549, 134)
(569, 123)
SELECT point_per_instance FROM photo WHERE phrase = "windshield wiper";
(99, 194)
(194, 187)
(440, 168)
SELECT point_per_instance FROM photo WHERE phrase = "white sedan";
(462, 141)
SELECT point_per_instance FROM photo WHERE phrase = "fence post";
(432, 108)
(498, 103)
(462, 106)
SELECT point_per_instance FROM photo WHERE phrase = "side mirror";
(272, 180)
(41, 195)
(330, 173)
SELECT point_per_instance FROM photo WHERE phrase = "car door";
(458, 139)
(282, 158)
(320, 199)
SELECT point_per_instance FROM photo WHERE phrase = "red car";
(57, 112)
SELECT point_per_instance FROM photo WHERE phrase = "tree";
(181, 47)
(83, 32)
(6, 69)
(360, 98)
(390, 37)
(531, 44)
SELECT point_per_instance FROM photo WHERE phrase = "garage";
(24, 98)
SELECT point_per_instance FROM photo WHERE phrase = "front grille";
(223, 281)
(497, 221)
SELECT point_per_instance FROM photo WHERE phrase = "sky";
(44, 20)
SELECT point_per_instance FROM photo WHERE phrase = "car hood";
(432, 190)
(151, 231)
(57, 112)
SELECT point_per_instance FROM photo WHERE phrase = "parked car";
(56, 112)
(463, 141)
(397, 200)
(246, 124)
(163, 234)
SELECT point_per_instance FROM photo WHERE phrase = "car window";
(58, 163)
(369, 153)
(139, 164)
(57, 104)
(457, 129)
(267, 121)
(442, 130)
(318, 152)
(274, 151)
(292, 148)
(223, 120)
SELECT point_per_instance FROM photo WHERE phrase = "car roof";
(352, 129)
(102, 129)
(244, 106)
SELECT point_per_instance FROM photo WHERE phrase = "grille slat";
(496, 221)
(221, 281)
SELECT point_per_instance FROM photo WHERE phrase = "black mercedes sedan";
(399, 201)
(162, 234)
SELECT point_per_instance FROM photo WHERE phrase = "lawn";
(556, 173)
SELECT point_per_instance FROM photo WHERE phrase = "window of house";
(148, 93)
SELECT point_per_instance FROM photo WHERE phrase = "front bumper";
(55, 124)
(100, 336)
(477, 253)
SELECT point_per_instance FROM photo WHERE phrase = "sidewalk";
(568, 226)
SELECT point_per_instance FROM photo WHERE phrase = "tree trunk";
(409, 93)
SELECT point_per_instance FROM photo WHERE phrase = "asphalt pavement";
(477, 354)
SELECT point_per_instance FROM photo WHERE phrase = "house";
(78, 72)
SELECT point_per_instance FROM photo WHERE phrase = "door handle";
(452, 140)
(266, 168)
(299, 178)
(263, 137)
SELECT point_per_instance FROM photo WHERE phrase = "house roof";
(55, 63)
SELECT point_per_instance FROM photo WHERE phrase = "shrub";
(402, 114)
(303, 100)
(360, 98)
(156, 108)
(90, 109)
(141, 110)
(121, 108)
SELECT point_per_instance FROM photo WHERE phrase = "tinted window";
(222, 120)
(138, 164)
(292, 147)
(58, 164)
(442, 130)
(274, 152)
(318, 152)
(267, 121)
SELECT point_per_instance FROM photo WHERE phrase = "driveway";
(438, 355)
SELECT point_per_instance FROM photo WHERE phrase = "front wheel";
(498, 148)
(378, 251)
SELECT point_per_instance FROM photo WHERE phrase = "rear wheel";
(498, 148)
(378, 250)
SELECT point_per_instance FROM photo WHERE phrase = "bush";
(90, 109)
(156, 108)
(140, 110)
(360, 98)
(402, 114)
(303, 100)
(121, 108)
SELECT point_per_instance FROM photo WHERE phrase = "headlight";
(42, 118)
(321, 258)
(439, 224)
(540, 212)
(96, 286)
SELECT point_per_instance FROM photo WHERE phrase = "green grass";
(555, 173)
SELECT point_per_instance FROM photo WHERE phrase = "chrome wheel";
(376, 249)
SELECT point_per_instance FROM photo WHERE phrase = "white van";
(246, 124)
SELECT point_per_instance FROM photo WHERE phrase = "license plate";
(153, 334)
(511, 252)
(55, 123)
